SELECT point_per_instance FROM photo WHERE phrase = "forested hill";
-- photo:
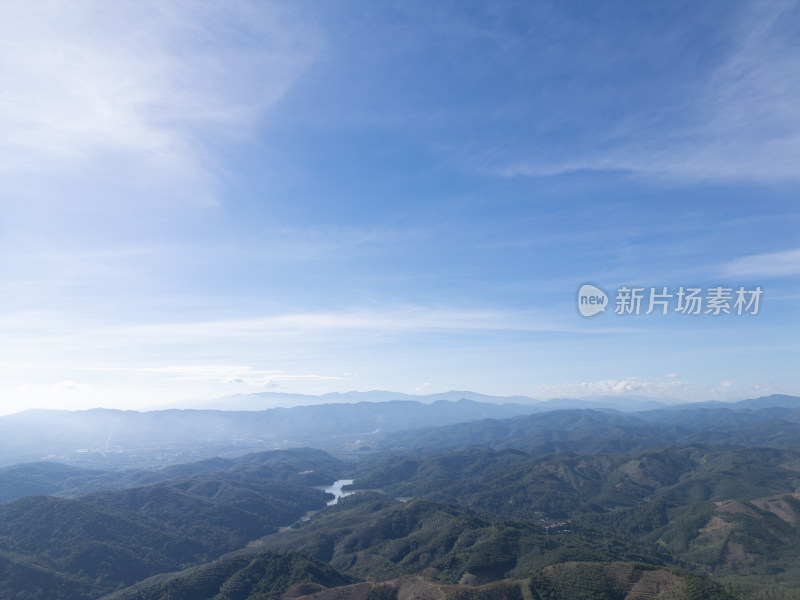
(297, 466)
(691, 503)
(91, 544)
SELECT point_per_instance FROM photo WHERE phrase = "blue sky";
(205, 199)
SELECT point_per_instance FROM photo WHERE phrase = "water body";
(336, 490)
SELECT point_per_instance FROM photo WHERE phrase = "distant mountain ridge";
(267, 400)
(193, 434)
(260, 401)
(772, 401)
(607, 431)
(122, 439)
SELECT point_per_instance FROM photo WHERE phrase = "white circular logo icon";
(591, 300)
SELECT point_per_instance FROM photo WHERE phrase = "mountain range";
(452, 500)
(119, 439)
(267, 400)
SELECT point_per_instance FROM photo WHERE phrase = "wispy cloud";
(63, 340)
(769, 264)
(613, 387)
(673, 388)
(140, 87)
(742, 122)
(357, 324)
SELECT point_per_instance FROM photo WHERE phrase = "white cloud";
(413, 319)
(613, 387)
(64, 339)
(769, 264)
(139, 87)
(674, 388)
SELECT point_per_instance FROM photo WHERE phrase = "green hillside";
(672, 521)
